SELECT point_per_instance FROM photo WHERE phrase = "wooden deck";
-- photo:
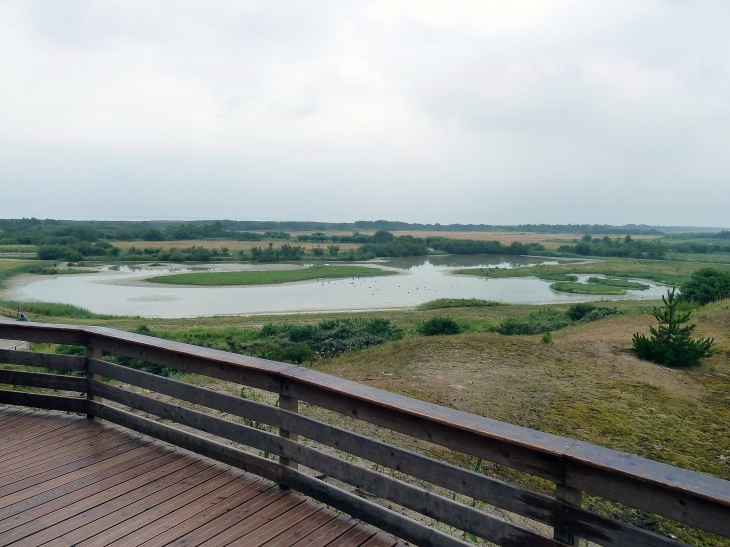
(68, 481)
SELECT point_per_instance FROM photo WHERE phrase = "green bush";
(534, 323)
(671, 343)
(576, 312)
(548, 320)
(707, 285)
(439, 325)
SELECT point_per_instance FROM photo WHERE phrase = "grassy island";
(268, 277)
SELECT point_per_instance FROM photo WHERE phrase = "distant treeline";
(76, 241)
(628, 247)
(172, 230)
(477, 247)
(625, 247)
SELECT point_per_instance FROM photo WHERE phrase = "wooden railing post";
(92, 353)
(292, 405)
(571, 496)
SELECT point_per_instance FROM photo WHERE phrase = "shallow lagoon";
(124, 291)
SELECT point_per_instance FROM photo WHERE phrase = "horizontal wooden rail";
(688, 497)
(387, 520)
(47, 381)
(539, 507)
(416, 499)
(43, 360)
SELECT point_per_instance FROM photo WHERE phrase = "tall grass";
(53, 309)
(11, 269)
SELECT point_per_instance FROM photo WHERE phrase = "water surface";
(123, 291)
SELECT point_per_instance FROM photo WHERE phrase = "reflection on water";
(469, 261)
(123, 290)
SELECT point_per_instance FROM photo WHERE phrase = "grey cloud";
(437, 112)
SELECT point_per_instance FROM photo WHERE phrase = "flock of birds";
(363, 280)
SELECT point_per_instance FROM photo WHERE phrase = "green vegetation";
(442, 303)
(549, 319)
(438, 326)
(626, 247)
(51, 310)
(538, 322)
(10, 269)
(660, 271)
(578, 311)
(707, 285)
(547, 338)
(286, 342)
(620, 283)
(585, 288)
(384, 244)
(271, 254)
(269, 277)
(92, 240)
(671, 343)
(479, 247)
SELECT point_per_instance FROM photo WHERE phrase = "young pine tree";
(671, 342)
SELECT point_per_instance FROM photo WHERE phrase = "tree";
(706, 285)
(671, 343)
(439, 325)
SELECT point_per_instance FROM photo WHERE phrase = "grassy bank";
(269, 277)
(11, 268)
(41, 311)
(660, 271)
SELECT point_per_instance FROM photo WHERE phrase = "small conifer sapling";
(671, 342)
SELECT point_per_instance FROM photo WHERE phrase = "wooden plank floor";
(68, 481)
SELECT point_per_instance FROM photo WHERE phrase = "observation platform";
(66, 480)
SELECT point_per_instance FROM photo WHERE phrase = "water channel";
(122, 290)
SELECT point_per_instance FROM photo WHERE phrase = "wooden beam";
(46, 402)
(47, 381)
(257, 465)
(42, 360)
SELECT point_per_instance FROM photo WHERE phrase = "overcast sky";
(483, 112)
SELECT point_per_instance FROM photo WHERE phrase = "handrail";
(685, 496)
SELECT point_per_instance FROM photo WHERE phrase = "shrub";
(599, 313)
(534, 323)
(439, 325)
(671, 343)
(707, 285)
(547, 338)
(576, 312)
(301, 353)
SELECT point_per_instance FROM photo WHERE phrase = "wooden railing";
(575, 467)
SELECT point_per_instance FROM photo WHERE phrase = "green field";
(269, 277)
